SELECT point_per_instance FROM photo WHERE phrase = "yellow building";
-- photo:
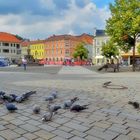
(128, 57)
(37, 49)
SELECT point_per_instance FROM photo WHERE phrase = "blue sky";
(39, 19)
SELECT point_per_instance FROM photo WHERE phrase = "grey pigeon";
(11, 107)
(54, 94)
(24, 96)
(28, 94)
(78, 108)
(54, 108)
(68, 103)
(49, 98)
(19, 99)
(13, 96)
(47, 116)
(36, 109)
(2, 93)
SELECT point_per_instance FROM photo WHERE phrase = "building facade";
(37, 49)
(99, 38)
(25, 48)
(127, 58)
(61, 47)
(10, 46)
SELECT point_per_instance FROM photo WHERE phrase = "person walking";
(24, 62)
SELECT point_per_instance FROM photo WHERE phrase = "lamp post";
(94, 42)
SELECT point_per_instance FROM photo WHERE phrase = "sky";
(39, 19)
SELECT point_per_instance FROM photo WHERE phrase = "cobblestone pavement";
(109, 116)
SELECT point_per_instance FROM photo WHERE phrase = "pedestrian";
(24, 62)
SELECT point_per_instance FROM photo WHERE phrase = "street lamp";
(94, 35)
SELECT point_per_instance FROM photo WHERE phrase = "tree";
(124, 24)
(80, 51)
(110, 50)
(138, 48)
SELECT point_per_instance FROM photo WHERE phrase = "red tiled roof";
(62, 37)
(88, 39)
(25, 43)
(7, 37)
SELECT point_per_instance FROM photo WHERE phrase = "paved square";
(109, 116)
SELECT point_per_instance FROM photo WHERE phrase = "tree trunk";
(134, 55)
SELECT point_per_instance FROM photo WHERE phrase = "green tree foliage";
(110, 50)
(124, 24)
(80, 51)
(138, 48)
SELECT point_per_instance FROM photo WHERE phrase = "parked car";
(4, 62)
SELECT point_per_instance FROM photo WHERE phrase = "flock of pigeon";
(52, 108)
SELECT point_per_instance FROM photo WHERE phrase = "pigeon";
(28, 94)
(2, 93)
(68, 103)
(54, 94)
(7, 98)
(13, 97)
(54, 108)
(19, 99)
(107, 83)
(49, 98)
(36, 109)
(78, 108)
(11, 107)
(47, 116)
(24, 96)
(135, 104)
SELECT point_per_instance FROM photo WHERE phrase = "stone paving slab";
(109, 116)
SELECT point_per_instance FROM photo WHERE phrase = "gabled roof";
(7, 37)
(61, 37)
(25, 43)
(86, 38)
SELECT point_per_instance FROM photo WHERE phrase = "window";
(18, 51)
(5, 50)
(67, 52)
(98, 50)
(5, 44)
(18, 46)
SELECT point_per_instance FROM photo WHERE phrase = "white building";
(99, 38)
(10, 46)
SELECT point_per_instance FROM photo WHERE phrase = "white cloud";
(49, 4)
(74, 20)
